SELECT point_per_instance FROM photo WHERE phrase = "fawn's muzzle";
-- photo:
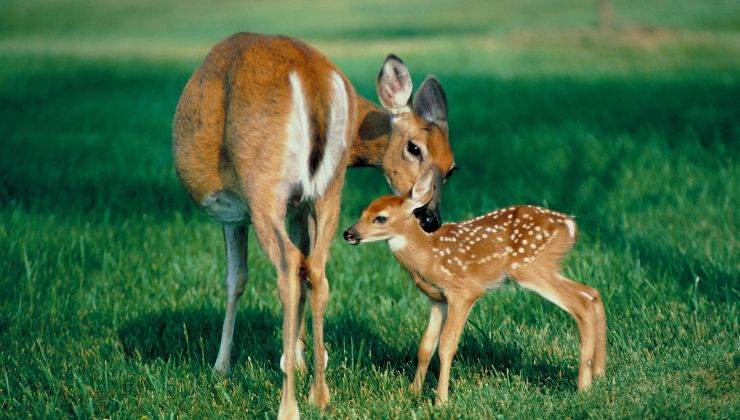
(351, 236)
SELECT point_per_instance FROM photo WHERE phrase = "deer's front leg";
(457, 315)
(428, 343)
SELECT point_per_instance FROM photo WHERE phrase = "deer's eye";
(380, 220)
(413, 149)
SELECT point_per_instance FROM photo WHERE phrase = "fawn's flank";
(456, 264)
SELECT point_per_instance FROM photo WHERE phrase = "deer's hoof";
(319, 395)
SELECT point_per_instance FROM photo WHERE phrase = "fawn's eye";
(380, 220)
(413, 149)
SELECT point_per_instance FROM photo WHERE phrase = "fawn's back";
(502, 242)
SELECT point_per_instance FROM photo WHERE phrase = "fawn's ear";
(430, 102)
(422, 192)
(394, 85)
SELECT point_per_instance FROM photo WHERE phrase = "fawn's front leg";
(457, 315)
(428, 343)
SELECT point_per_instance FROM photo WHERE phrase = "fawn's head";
(392, 216)
(419, 136)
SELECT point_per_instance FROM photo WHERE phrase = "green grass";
(111, 296)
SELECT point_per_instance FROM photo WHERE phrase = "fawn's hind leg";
(579, 305)
(599, 363)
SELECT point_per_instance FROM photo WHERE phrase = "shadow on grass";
(364, 348)
(191, 337)
(507, 357)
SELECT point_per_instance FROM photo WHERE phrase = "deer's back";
(232, 126)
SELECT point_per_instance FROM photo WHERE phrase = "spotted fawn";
(459, 262)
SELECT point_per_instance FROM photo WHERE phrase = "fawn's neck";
(373, 132)
(413, 248)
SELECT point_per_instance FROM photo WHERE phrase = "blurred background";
(623, 113)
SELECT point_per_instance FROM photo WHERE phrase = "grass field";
(111, 281)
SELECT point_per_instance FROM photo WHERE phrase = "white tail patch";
(571, 227)
(336, 138)
(299, 138)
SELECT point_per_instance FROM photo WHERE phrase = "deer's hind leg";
(325, 222)
(268, 219)
(235, 240)
(579, 305)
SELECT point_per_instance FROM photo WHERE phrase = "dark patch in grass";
(504, 357)
(192, 336)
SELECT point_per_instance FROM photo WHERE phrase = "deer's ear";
(394, 85)
(430, 101)
(422, 192)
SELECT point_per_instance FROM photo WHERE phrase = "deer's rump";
(262, 114)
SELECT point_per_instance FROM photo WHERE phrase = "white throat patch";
(397, 242)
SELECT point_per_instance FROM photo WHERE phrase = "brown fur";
(455, 265)
(229, 136)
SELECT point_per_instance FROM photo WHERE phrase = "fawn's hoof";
(440, 401)
(599, 372)
(415, 387)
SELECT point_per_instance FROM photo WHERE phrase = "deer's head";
(419, 137)
(392, 216)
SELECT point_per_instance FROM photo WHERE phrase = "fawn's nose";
(351, 236)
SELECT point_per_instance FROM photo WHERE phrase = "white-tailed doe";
(263, 134)
(458, 263)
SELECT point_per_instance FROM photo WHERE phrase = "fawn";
(456, 264)
(263, 134)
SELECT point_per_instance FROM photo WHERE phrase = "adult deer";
(262, 135)
(455, 265)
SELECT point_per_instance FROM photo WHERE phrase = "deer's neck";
(373, 132)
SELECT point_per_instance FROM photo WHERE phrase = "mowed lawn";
(111, 280)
